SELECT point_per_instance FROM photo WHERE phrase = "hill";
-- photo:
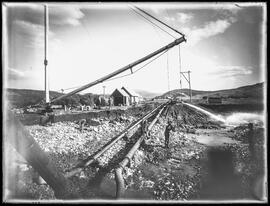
(19, 98)
(146, 94)
(251, 93)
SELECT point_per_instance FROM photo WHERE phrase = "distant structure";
(120, 97)
(134, 97)
(125, 96)
(214, 100)
(104, 101)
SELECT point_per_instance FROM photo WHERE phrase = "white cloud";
(15, 74)
(212, 28)
(179, 18)
(58, 14)
(232, 71)
(65, 15)
(184, 17)
(156, 10)
(33, 34)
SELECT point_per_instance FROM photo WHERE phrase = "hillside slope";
(25, 97)
(250, 91)
(147, 94)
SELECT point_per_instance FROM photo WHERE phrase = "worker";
(110, 103)
(143, 127)
(169, 127)
(82, 122)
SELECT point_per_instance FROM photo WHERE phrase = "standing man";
(169, 127)
(110, 103)
(143, 127)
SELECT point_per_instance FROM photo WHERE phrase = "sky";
(225, 45)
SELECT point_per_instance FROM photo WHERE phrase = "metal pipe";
(25, 144)
(172, 44)
(120, 186)
(81, 165)
(120, 182)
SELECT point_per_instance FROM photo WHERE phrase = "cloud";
(31, 34)
(66, 15)
(58, 14)
(157, 10)
(224, 19)
(14, 74)
(212, 28)
(180, 17)
(184, 17)
(232, 71)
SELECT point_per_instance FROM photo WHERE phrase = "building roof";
(122, 92)
(130, 92)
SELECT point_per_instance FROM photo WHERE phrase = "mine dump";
(129, 144)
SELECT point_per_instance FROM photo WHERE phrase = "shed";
(134, 97)
(120, 97)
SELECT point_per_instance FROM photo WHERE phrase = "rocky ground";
(178, 173)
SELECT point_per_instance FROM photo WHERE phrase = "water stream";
(234, 118)
(216, 117)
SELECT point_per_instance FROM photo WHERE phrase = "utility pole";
(190, 92)
(104, 92)
(180, 73)
(46, 24)
(189, 82)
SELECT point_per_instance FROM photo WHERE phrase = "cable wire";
(180, 72)
(168, 74)
(153, 23)
(139, 68)
(159, 21)
(68, 88)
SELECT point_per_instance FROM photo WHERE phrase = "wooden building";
(133, 96)
(120, 97)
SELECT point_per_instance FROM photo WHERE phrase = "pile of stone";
(65, 142)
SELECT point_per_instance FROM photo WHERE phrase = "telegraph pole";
(46, 24)
(180, 73)
(189, 82)
(190, 92)
(104, 92)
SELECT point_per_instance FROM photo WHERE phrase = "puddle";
(213, 138)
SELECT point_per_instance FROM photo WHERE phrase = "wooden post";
(189, 82)
(190, 92)
(46, 24)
